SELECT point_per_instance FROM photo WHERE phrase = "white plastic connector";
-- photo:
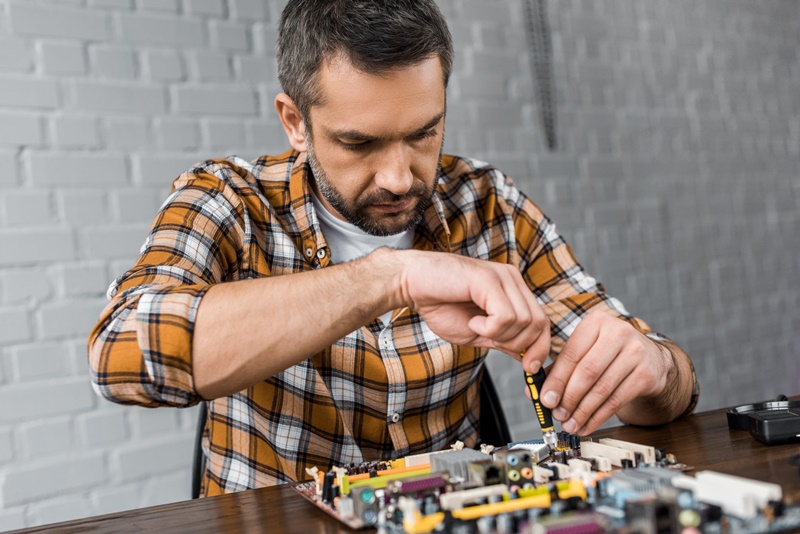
(340, 474)
(486, 448)
(602, 464)
(737, 496)
(579, 466)
(648, 453)
(541, 475)
(313, 473)
(539, 451)
(345, 507)
(455, 500)
(420, 459)
(563, 471)
(591, 449)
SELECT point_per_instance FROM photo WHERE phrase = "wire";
(541, 57)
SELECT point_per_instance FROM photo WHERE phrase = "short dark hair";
(374, 35)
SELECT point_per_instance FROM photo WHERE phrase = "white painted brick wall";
(37, 361)
(36, 245)
(226, 101)
(8, 164)
(17, 285)
(77, 169)
(62, 57)
(163, 65)
(54, 21)
(20, 129)
(76, 131)
(152, 30)
(118, 97)
(15, 55)
(27, 208)
(82, 207)
(113, 62)
(678, 154)
(27, 93)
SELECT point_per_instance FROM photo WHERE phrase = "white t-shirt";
(348, 242)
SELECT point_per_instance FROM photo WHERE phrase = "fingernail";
(534, 366)
(550, 398)
(560, 414)
(569, 426)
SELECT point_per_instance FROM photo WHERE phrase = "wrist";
(389, 265)
(681, 391)
(669, 364)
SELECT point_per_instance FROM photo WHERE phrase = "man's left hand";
(606, 365)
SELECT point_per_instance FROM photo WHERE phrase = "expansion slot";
(455, 500)
(590, 449)
(648, 453)
(379, 482)
(737, 496)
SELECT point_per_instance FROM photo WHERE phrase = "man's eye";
(426, 134)
(354, 146)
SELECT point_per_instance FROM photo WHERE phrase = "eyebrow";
(355, 135)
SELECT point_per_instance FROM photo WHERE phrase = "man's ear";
(292, 121)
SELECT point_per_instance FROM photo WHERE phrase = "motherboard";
(581, 487)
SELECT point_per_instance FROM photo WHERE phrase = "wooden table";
(703, 441)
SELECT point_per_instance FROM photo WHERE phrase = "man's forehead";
(407, 97)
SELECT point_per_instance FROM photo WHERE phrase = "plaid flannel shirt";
(383, 391)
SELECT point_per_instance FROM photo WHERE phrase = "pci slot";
(648, 453)
(591, 449)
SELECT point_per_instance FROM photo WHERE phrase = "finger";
(533, 355)
(599, 394)
(524, 328)
(582, 339)
(537, 352)
(508, 324)
(624, 394)
(531, 300)
(533, 337)
(588, 373)
(489, 295)
(538, 330)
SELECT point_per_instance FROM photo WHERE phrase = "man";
(336, 303)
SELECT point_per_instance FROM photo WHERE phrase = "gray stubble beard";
(356, 216)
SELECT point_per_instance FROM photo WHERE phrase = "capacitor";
(328, 492)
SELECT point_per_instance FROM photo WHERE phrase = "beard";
(356, 212)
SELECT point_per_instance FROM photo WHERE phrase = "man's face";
(377, 143)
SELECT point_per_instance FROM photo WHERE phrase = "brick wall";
(676, 182)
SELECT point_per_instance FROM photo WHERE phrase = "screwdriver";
(535, 383)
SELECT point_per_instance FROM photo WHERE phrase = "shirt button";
(309, 252)
(395, 417)
(321, 253)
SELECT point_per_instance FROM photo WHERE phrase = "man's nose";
(394, 171)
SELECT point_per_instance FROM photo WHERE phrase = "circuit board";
(582, 487)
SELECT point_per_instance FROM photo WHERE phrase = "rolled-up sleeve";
(140, 351)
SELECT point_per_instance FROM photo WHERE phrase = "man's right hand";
(474, 302)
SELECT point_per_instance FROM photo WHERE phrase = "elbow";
(120, 373)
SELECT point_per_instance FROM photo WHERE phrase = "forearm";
(673, 401)
(250, 330)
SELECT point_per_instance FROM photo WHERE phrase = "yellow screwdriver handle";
(535, 383)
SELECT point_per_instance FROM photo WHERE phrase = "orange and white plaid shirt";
(383, 391)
